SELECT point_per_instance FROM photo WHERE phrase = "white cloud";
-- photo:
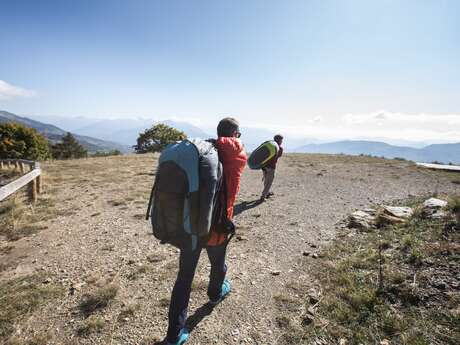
(379, 125)
(417, 120)
(8, 91)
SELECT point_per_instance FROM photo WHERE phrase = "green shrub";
(155, 139)
(20, 142)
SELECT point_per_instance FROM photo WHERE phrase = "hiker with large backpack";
(191, 207)
(269, 169)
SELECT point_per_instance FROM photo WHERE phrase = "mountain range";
(446, 153)
(108, 134)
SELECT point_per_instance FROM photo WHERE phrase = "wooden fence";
(32, 178)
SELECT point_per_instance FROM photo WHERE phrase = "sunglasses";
(238, 134)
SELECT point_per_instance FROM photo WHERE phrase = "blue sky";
(317, 68)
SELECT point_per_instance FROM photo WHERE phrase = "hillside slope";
(54, 134)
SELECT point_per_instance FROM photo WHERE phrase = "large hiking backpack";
(263, 154)
(185, 193)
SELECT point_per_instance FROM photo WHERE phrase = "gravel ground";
(97, 234)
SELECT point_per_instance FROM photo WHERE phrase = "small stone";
(306, 253)
(434, 203)
(361, 220)
(314, 256)
(275, 273)
(399, 212)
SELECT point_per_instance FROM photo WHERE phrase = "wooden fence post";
(1, 165)
(33, 190)
(39, 184)
(21, 166)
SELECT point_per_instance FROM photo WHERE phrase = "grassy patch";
(19, 218)
(90, 325)
(22, 296)
(397, 283)
(128, 311)
(98, 299)
(138, 272)
(36, 339)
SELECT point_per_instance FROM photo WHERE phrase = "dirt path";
(98, 234)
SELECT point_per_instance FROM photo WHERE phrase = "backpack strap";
(149, 207)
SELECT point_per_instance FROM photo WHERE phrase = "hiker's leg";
(216, 256)
(269, 176)
(181, 292)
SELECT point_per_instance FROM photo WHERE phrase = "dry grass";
(98, 299)
(20, 218)
(92, 324)
(22, 296)
(36, 339)
(128, 311)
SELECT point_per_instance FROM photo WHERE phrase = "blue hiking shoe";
(183, 337)
(226, 288)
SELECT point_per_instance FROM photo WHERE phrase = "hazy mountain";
(70, 124)
(54, 133)
(445, 153)
(191, 130)
(126, 131)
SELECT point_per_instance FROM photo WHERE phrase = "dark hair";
(278, 137)
(227, 126)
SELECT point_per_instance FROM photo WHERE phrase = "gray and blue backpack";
(186, 193)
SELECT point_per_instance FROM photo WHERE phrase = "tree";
(68, 148)
(20, 142)
(155, 139)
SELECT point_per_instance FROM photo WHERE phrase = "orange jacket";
(233, 158)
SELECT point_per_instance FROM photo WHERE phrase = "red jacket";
(233, 158)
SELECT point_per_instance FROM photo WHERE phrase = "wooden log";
(33, 190)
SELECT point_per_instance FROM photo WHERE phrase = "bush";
(68, 148)
(20, 142)
(155, 139)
